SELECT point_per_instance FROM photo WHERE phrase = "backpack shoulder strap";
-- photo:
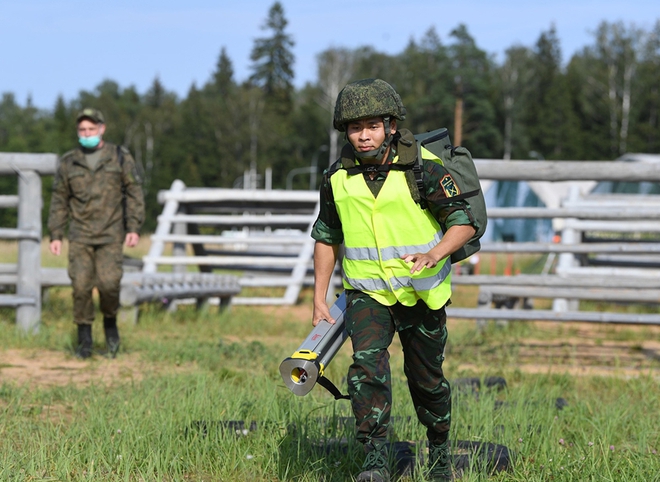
(120, 156)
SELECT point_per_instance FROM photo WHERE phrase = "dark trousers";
(91, 266)
(423, 334)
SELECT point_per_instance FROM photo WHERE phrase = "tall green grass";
(200, 371)
(173, 423)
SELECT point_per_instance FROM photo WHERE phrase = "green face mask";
(89, 142)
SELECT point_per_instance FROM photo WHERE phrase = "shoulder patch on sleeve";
(449, 186)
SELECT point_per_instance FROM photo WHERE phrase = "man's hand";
(132, 239)
(420, 261)
(321, 312)
(454, 238)
(56, 247)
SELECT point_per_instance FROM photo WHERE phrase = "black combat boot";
(440, 463)
(111, 335)
(84, 349)
(375, 466)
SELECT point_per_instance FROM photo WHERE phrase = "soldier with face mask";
(396, 269)
(97, 192)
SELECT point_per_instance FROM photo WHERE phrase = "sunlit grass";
(202, 373)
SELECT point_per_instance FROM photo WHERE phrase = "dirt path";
(585, 352)
(44, 368)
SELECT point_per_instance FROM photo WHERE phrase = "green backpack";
(458, 162)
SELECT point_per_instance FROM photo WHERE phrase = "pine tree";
(472, 70)
(223, 77)
(273, 59)
(549, 120)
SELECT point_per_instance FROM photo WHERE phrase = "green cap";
(94, 115)
(367, 98)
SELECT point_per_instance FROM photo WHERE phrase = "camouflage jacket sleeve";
(132, 178)
(58, 215)
(327, 228)
(447, 213)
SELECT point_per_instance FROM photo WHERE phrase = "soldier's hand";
(321, 312)
(56, 247)
(420, 261)
(132, 239)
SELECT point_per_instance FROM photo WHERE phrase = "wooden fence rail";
(28, 168)
(266, 233)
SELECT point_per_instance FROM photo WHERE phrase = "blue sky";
(52, 47)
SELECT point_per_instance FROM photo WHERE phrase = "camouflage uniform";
(371, 325)
(92, 203)
(423, 334)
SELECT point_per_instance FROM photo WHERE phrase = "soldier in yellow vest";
(396, 269)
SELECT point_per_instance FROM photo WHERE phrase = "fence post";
(164, 226)
(29, 250)
(567, 260)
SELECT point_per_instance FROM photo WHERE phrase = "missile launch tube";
(302, 370)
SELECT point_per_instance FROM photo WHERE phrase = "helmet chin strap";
(379, 153)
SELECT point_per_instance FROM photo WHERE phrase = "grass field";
(197, 396)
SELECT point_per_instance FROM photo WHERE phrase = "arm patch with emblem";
(449, 186)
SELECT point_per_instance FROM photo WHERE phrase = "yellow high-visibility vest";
(377, 231)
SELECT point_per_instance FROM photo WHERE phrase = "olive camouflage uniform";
(92, 203)
(423, 334)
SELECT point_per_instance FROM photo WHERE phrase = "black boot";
(84, 349)
(376, 466)
(440, 463)
(111, 335)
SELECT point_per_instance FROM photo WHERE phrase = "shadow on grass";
(325, 449)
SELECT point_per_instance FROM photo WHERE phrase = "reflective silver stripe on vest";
(418, 284)
(362, 254)
(368, 284)
(395, 252)
(391, 252)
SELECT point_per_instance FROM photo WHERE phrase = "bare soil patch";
(590, 350)
(47, 368)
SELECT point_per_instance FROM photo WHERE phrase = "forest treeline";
(604, 102)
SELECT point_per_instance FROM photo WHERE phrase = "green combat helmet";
(369, 98)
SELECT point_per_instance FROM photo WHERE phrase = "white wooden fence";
(28, 169)
(575, 215)
(30, 279)
(262, 234)
(265, 235)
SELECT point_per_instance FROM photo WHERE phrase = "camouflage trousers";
(423, 334)
(97, 266)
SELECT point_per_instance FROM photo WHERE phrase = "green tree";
(426, 84)
(335, 69)
(512, 85)
(604, 79)
(550, 124)
(230, 127)
(223, 77)
(473, 75)
(270, 106)
(645, 133)
(273, 59)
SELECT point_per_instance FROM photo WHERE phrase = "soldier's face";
(87, 128)
(368, 134)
